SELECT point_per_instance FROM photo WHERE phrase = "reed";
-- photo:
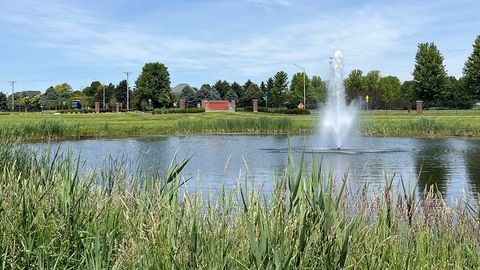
(36, 126)
(420, 126)
(262, 125)
(53, 217)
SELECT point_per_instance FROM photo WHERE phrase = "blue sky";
(49, 42)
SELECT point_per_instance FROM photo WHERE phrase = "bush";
(71, 111)
(250, 109)
(289, 111)
(175, 110)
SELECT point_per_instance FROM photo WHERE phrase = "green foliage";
(295, 95)
(471, 71)
(354, 85)
(188, 94)
(289, 111)
(50, 99)
(429, 74)
(55, 217)
(259, 125)
(175, 110)
(154, 83)
(205, 92)
(317, 92)
(3, 102)
(370, 86)
(277, 94)
(121, 93)
(237, 88)
(252, 92)
(408, 90)
(214, 94)
(222, 87)
(46, 129)
(231, 95)
(389, 87)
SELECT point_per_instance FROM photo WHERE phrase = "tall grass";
(39, 129)
(54, 218)
(420, 126)
(263, 125)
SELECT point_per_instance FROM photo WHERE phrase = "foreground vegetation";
(55, 218)
(44, 126)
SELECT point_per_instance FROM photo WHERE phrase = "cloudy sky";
(45, 42)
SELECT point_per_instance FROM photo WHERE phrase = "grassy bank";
(52, 218)
(36, 126)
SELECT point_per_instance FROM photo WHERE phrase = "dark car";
(76, 105)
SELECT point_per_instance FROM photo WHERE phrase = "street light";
(304, 75)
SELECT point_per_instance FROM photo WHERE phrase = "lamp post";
(304, 77)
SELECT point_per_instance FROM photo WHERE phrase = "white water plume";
(338, 118)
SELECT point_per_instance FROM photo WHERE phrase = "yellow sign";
(301, 106)
(366, 98)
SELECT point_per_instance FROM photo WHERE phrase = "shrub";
(288, 111)
(175, 110)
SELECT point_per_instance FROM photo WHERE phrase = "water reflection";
(472, 163)
(452, 165)
(431, 168)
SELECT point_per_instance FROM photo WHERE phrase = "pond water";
(452, 164)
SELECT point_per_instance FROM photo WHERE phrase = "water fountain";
(338, 117)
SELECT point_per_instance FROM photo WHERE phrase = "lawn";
(37, 126)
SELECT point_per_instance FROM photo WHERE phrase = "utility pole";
(128, 93)
(12, 83)
(104, 96)
(304, 77)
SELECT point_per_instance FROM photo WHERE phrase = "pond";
(452, 164)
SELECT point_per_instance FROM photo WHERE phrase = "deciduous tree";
(353, 85)
(154, 84)
(429, 73)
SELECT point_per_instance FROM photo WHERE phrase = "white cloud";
(365, 35)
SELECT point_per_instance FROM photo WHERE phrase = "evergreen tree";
(214, 94)
(237, 88)
(203, 93)
(188, 94)
(252, 92)
(222, 87)
(3, 102)
(120, 93)
(279, 90)
(429, 74)
(471, 71)
(231, 95)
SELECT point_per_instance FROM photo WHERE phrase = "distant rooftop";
(178, 89)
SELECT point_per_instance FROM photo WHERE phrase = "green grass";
(44, 126)
(54, 218)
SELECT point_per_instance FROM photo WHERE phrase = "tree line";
(431, 83)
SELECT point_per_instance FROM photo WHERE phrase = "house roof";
(178, 89)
